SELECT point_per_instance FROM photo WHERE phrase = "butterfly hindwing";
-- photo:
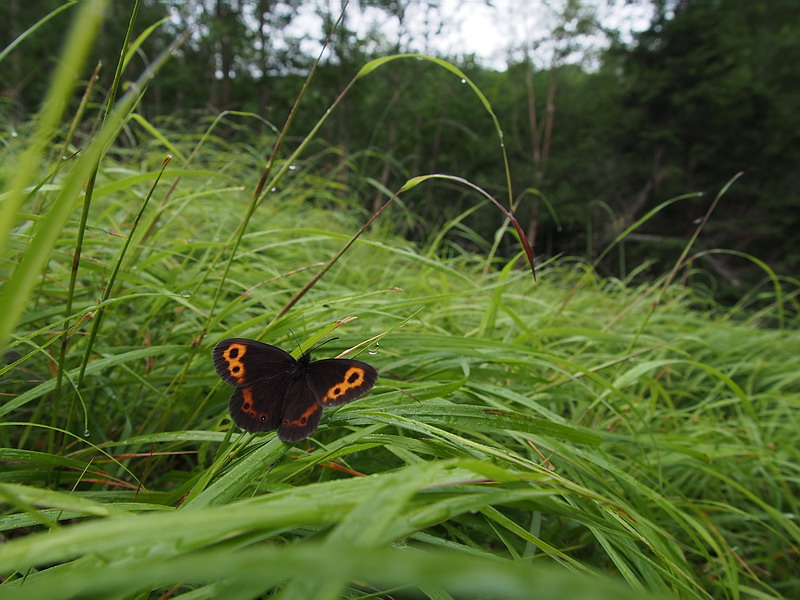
(338, 381)
(301, 412)
(257, 407)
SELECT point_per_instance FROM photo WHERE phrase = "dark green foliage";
(709, 90)
(713, 90)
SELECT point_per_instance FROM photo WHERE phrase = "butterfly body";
(276, 391)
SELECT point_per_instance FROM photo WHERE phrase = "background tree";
(707, 90)
(710, 90)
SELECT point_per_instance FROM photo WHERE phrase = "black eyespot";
(235, 369)
(303, 421)
(263, 417)
(353, 378)
(234, 352)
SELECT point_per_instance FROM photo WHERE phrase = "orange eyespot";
(233, 356)
(247, 402)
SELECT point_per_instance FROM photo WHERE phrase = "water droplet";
(374, 350)
(463, 80)
(186, 293)
(273, 190)
(13, 134)
(292, 167)
(85, 433)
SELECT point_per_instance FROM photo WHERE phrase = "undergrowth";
(569, 437)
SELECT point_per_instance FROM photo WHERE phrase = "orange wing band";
(303, 419)
(248, 408)
(233, 356)
(353, 378)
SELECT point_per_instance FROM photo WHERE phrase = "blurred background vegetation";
(601, 125)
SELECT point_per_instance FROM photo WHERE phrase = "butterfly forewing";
(240, 362)
(340, 380)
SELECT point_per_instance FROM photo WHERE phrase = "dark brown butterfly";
(275, 391)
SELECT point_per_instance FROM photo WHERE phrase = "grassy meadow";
(564, 437)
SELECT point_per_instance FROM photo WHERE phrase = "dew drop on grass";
(85, 433)
(186, 293)
(374, 350)
(292, 167)
(463, 80)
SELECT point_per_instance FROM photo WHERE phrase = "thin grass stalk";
(778, 305)
(160, 209)
(76, 48)
(240, 230)
(10, 48)
(115, 271)
(293, 111)
(365, 70)
(667, 281)
(87, 203)
(81, 110)
(639, 222)
(258, 197)
(22, 280)
(408, 185)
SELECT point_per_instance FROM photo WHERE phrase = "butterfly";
(276, 391)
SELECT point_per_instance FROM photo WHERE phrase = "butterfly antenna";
(317, 347)
(296, 341)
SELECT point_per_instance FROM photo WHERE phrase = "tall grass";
(573, 437)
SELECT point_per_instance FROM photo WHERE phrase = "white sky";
(487, 30)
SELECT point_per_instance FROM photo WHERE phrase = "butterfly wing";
(257, 407)
(241, 362)
(261, 374)
(328, 382)
(301, 413)
(338, 381)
